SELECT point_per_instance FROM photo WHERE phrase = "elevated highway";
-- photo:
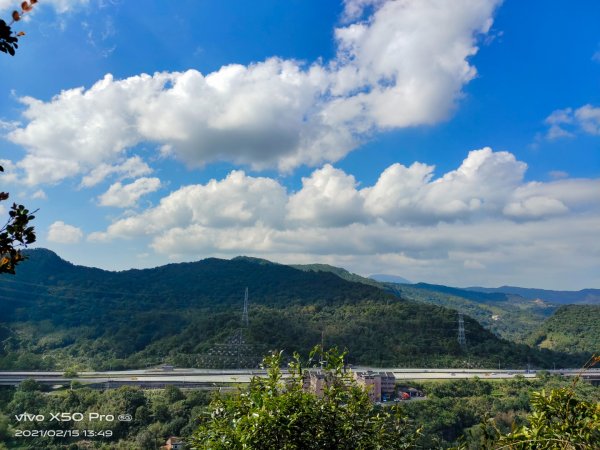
(212, 379)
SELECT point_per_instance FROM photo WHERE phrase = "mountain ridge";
(386, 278)
(584, 296)
(56, 315)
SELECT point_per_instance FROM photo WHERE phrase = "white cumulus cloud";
(129, 168)
(354, 9)
(403, 66)
(480, 186)
(328, 197)
(568, 122)
(10, 171)
(39, 195)
(481, 216)
(62, 233)
(487, 186)
(126, 196)
(238, 200)
(535, 207)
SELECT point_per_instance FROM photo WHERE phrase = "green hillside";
(55, 315)
(340, 272)
(509, 316)
(584, 296)
(572, 328)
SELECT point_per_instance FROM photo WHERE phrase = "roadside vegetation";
(156, 415)
(272, 414)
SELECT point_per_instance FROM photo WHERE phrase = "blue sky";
(449, 142)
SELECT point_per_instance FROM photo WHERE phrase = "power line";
(462, 340)
(245, 312)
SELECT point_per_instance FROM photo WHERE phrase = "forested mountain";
(480, 297)
(340, 272)
(572, 328)
(384, 278)
(55, 315)
(509, 316)
(584, 296)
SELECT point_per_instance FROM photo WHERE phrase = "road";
(207, 378)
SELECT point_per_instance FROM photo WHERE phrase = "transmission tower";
(245, 313)
(462, 340)
(234, 352)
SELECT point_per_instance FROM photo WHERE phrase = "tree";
(277, 414)
(145, 440)
(558, 421)
(4, 428)
(70, 373)
(16, 233)
(8, 38)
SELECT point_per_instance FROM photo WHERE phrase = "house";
(372, 384)
(380, 385)
(415, 392)
(406, 393)
(315, 382)
(174, 443)
(388, 385)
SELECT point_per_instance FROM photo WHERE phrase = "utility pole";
(322, 362)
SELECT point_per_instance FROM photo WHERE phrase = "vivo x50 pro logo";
(71, 417)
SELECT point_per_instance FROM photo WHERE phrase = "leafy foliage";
(276, 414)
(451, 409)
(559, 420)
(157, 414)
(16, 233)
(8, 40)
(469, 411)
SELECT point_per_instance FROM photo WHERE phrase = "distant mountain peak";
(44, 256)
(254, 260)
(583, 296)
(40, 251)
(385, 278)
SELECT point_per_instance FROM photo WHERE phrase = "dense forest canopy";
(73, 315)
(572, 328)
